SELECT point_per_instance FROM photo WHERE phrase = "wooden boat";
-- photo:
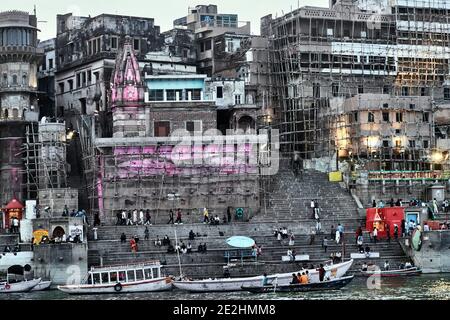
(333, 284)
(41, 286)
(18, 287)
(413, 271)
(236, 284)
(144, 277)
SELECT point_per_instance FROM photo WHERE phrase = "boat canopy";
(240, 242)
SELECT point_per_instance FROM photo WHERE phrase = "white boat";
(41, 286)
(144, 277)
(235, 284)
(17, 287)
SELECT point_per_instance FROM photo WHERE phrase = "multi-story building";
(46, 79)
(207, 24)
(360, 81)
(166, 142)
(19, 60)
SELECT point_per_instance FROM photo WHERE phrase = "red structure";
(13, 209)
(381, 217)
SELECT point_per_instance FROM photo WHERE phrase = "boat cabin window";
(96, 277)
(113, 276)
(130, 275)
(155, 272)
(122, 276)
(139, 275)
(105, 277)
(148, 273)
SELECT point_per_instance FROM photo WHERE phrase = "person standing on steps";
(325, 244)
(178, 221)
(205, 215)
(313, 207)
(146, 234)
(375, 234)
(171, 221)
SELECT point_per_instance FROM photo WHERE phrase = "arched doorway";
(58, 232)
(247, 124)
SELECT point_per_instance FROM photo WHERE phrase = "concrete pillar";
(165, 95)
(201, 95)
(189, 95)
(177, 94)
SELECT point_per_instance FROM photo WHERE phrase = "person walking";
(178, 221)
(129, 219)
(395, 232)
(338, 237)
(135, 217)
(318, 226)
(141, 217)
(124, 218)
(146, 234)
(313, 206)
(119, 218)
(205, 215)
(133, 245)
(325, 244)
(148, 218)
(171, 221)
(375, 234)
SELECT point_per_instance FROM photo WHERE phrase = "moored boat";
(41, 286)
(18, 287)
(333, 284)
(144, 277)
(236, 284)
(413, 271)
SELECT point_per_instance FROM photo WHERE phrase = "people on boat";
(299, 277)
(408, 265)
(304, 278)
(265, 280)
(386, 265)
(294, 279)
(364, 266)
(321, 273)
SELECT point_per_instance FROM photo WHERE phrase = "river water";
(424, 287)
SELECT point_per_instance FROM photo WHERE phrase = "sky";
(163, 11)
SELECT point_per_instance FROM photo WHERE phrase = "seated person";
(166, 241)
(200, 247)
(189, 248)
(226, 273)
(191, 235)
(7, 249)
(294, 279)
(204, 247)
(170, 249)
(158, 242)
(364, 267)
(408, 265)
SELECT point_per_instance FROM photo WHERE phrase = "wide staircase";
(288, 206)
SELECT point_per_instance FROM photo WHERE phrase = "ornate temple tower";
(127, 95)
(19, 60)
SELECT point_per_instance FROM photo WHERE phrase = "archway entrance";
(247, 124)
(58, 232)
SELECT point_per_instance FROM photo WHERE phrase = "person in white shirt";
(141, 217)
(135, 217)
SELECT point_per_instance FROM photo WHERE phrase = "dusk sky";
(163, 11)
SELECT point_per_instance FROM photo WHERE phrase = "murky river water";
(424, 287)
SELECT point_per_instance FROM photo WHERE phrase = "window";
(130, 275)
(219, 92)
(412, 143)
(139, 275)
(61, 87)
(360, 89)
(83, 79)
(196, 94)
(5, 79)
(398, 143)
(423, 91)
(316, 90)
(447, 93)
(398, 131)
(89, 76)
(193, 126)
(50, 63)
(114, 43)
(14, 79)
(78, 80)
(155, 272)
(162, 128)
(335, 89)
(329, 32)
(96, 277)
(399, 117)
(386, 90)
(24, 80)
(405, 91)
(70, 85)
(148, 274)
(385, 105)
(237, 99)
(207, 45)
(156, 95)
(371, 117)
(355, 116)
(137, 44)
(171, 95)
(385, 143)
(412, 106)
(426, 144)
(105, 277)
(386, 116)
(426, 117)
(363, 34)
(122, 276)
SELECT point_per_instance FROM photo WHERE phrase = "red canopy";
(14, 204)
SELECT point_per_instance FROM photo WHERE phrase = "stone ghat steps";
(316, 252)
(8, 240)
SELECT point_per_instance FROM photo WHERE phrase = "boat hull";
(334, 284)
(236, 284)
(18, 287)
(154, 285)
(393, 273)
(41, 286)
